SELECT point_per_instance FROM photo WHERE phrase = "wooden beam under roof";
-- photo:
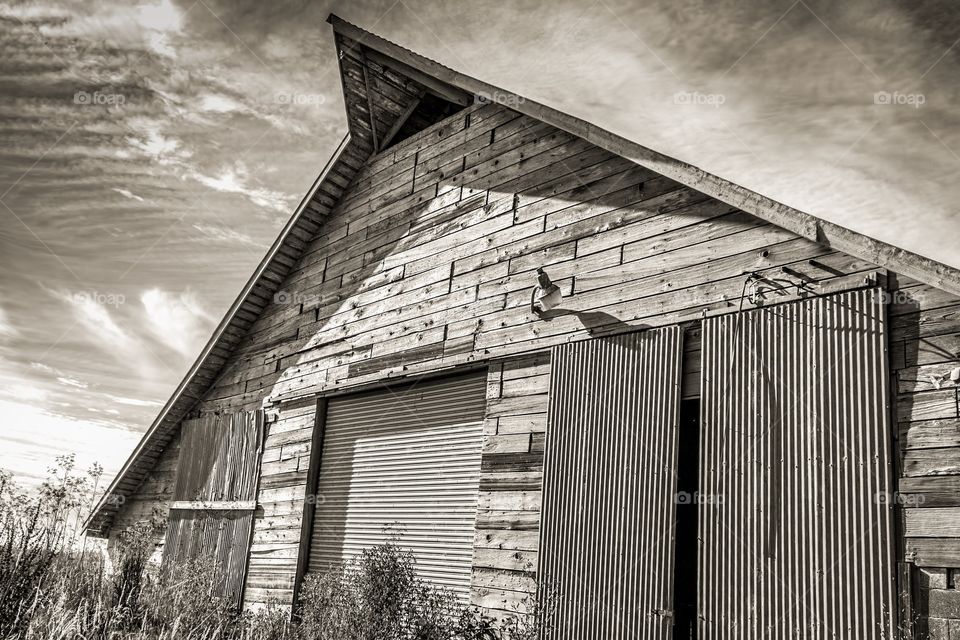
(399, 122)
(373, 119)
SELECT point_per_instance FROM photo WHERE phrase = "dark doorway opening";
(686, 553)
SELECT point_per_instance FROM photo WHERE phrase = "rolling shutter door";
(796, 528)
(403, 460)
(607, 540)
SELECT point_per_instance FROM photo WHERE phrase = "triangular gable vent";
(388, 101)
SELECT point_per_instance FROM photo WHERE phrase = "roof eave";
(110, 496)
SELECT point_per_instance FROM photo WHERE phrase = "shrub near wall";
(52, 587)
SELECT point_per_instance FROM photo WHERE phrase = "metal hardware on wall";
(796, 520)
(546, 295)
(606, 545)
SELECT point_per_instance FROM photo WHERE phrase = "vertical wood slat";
(795, 485)
(607, 539)
(219, 462)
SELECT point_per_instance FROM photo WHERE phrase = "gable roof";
(384, 86)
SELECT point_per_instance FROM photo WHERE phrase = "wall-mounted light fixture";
(546, 295)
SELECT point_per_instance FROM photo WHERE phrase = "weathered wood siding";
(278, 519)
(508, 514)
(429, 258)
(924, 349)
(152, 500)
(428, 261)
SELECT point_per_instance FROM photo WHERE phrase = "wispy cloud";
(220, 103)
(7, 329)
(156, 145)
(151, 24)
(72, 382)
(222, 234)
(179, 321)
(134, 402)
(128, 194)
(96, 323)
(237, 180)
(95, 317)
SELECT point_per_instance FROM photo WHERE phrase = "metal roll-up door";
(795, 480)
(607, 530)
(403, 461)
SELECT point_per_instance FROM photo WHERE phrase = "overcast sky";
(150, 153)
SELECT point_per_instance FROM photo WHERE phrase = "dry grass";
(52, 587)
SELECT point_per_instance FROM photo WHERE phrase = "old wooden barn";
(540, 351)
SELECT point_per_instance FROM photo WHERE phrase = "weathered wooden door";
(215, 494)
(796, 517)
(607, 539)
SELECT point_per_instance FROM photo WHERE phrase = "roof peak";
(803, 224)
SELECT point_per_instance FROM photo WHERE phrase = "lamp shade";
(546, 295)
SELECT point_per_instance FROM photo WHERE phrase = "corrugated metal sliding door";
(606, 534)
(403, 461)
(795, 479)
(215, 494)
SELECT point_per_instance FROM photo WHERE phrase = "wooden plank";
(927, 406)
(932, 522)
(504, 579)
(932, 349)
(442, 89)
(939, 491)
(932, 551)
(510, 559)
(930, 434)
(509, 500)
(932, 377)
(530, 423)
(214, 505)
(930, 462)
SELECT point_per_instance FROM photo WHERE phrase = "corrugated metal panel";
(795, 517)
(218, 458)
(219, 463)
(404, 460)
(609, 482)
(222, 535)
